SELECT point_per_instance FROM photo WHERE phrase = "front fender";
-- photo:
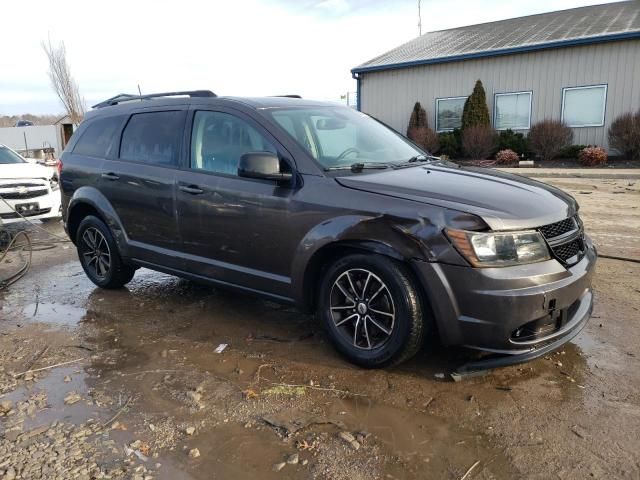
(380, 234)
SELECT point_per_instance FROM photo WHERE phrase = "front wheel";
(372, 310)
(99, 255)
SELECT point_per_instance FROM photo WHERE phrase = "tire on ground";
(409, 324)
(119, 273)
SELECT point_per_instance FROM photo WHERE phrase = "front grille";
(568, 250)
(14, 185)
(26, 195)
(30, 213)
(559, 228)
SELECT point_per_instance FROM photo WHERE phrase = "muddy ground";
(141, 392)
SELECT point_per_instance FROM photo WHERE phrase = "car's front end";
(522, 310)
(26, 190)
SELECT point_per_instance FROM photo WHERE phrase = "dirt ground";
(140, 392)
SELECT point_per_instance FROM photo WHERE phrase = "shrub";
(476, 112)
(571, 151)
(510, 140)
(478, 141)
(506, 157)
(425, 138)
(450, 143)
(624, 135)
(593, 156)
(548, 137)
(431, 143)
(417, 119)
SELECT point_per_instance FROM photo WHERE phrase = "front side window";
(153, 138)
(98, 137)
(218, 140)
(341, 136)
(512, 110)
(584, 106)
(449, 113)
(8, 156)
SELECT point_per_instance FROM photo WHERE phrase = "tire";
(99, 255)
(390, 325)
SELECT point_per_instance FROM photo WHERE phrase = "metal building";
(580, 65)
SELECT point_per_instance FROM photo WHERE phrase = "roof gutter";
(505, 51)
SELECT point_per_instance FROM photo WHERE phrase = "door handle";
(110, 176)
(191, 189)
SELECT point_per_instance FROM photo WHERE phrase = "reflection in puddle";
(54, 313)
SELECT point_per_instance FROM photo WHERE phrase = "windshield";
(9, 156)
(341, 136)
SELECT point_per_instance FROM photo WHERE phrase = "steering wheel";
(347, 152)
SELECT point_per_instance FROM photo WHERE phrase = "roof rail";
(126, 97)
(288, 96)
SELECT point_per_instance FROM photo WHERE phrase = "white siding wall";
(390, 95)
(37, 136)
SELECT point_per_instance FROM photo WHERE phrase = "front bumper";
(523, 311)
(44, 206)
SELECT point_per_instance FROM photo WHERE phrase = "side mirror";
(263, 165)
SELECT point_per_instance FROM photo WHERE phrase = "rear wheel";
(372, 310)
(99, 255)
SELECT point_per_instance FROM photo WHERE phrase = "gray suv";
(324, 207)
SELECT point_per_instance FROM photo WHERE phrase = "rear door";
(234, 229)
(139, 182)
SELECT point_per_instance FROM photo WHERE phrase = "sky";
(242, 48)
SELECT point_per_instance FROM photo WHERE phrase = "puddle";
(54, 313)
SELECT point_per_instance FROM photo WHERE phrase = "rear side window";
(153, 138)
(97, 139)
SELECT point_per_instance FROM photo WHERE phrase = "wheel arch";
(90, 201)
(327, 254)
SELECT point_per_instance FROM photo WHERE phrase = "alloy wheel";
(96, 253)
(362, 309)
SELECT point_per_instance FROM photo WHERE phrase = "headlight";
(500, 249)
(53, 182)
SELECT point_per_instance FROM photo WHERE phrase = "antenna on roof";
(419, 19)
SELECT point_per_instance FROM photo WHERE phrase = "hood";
(14, 171)
(504, 201)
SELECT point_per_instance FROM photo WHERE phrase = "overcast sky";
(250, 47)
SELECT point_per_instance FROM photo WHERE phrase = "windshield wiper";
(359, 166)
(417, 159)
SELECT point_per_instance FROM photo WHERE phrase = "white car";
(27, 189)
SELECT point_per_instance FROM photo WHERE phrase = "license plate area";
(27, 208)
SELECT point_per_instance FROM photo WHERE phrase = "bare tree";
(62, 82)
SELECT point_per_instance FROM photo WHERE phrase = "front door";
(139, 183)
(234, 229)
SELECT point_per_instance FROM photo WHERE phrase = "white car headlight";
(500, 249)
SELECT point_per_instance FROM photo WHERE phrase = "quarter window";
(449, 113)
(512, 111)
(218, 140)
(584, 106)
(153, 138)
(98, 137)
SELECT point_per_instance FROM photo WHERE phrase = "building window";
(449, 113)
(584, 106)
(512, 110)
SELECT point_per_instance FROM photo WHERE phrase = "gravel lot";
(127, 384)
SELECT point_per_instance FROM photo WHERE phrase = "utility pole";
(419, 19)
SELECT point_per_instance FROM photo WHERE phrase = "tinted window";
(153, 138)
(98, 137)
(219, 140)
